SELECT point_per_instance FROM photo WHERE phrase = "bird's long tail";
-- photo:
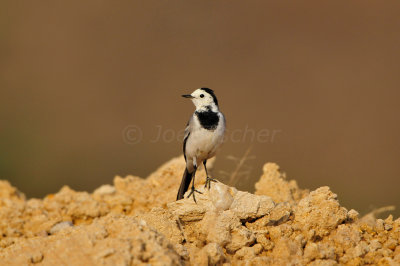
(186, 179)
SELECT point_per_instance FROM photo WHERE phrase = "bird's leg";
(208, 179)
(193, 190)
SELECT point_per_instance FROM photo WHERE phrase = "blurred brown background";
(76, 76)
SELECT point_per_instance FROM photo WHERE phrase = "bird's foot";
(208, 182)
(192, 192)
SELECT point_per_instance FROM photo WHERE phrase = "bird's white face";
(201, 99)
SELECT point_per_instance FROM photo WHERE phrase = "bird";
(203, 136)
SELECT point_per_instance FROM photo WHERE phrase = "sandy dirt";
(137, 221)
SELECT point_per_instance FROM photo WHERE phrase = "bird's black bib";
(208, 119)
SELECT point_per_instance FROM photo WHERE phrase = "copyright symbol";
(132, 134)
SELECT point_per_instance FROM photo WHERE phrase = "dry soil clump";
(137, 221)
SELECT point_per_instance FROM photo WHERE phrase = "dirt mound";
(138, 221)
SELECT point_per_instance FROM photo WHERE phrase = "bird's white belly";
(202, 144)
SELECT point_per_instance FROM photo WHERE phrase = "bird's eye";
(201, 95)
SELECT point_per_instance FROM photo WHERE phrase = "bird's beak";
(187, 96)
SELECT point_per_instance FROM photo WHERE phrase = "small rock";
(385, 252)
(387, 261)
(391, 244)
(219, 227)
(352, 215)
(245, 253)
(215, 253)
(280, 213)
(359, 250)
(187, 210)
(346, 236)
(249, 206)
(379, 225)
(182, 251)
(221, 196)
(36, 257)
(42, 233)
(258, 248)
(314, 251)
(275, 233)
(60, 226)
(106, 253)
(388, 227)
(105, 190)
(287, 249)
(311, 251)
(301, 240)
(274, 184)
(396, 254)
(320, 211)
(241, 237)
(265, 242)
(374, 245)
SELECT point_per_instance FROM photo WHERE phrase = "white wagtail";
(204, 133)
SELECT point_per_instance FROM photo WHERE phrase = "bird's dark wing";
(187, 134)
(184, 146)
